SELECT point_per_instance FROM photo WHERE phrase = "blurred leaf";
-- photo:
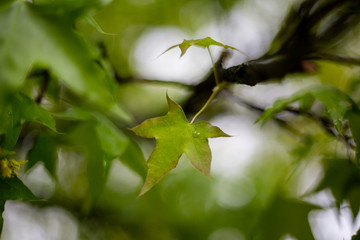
(227, 4)
(85, 137)
(338, 106)
(4, 3)
(21, 109)
(336, 103)
(356, 236)
(285, 216)
(113, 140)
(204, 43)
(134, 159)
(77, 7)
(174, 136)
(114, 143)
(50, 40)
(343, 179)
(44, 150)
(13, 189)
(74, 113)
(2, 208)
(354, 122)
(91, 20)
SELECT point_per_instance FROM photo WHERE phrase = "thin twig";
(334, 58)
(216, 90)
(38, 99)
(157, 82)
(217, 80)
(326, 123)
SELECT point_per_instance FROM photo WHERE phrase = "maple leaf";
(174, 136)
(203, 42)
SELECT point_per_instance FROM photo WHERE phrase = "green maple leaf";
(203, 42)
(174, 136)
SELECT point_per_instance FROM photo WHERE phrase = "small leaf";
(204, 43)
(174, 136)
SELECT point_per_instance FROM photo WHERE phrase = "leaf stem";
(216, 90)
(217, 80)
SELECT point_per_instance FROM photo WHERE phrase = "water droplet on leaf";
(196, 134)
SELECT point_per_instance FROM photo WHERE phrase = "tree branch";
(324, 122)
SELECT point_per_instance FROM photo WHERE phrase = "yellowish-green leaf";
(203, 42)
(174, 136)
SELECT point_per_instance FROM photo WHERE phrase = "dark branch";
(303, 42)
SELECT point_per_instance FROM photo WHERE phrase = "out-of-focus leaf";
(114, 143)
(343, 179)
(21, 109)
(174, 136)
(285, 216)
(4, 3)
(74, 113)
(118, 145)
(50, 40)
(134, 159)
(338, 106)
(356, 236)
(336, 103)
(77, 7)
(44, 150)
(85, 137)
(204, 43)
(13, 189)
(354, 122)
(2, 208)
(113, 140)
(95, 24)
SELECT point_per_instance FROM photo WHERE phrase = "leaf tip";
(147, 186)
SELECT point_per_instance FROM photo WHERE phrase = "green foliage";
(204, 43)
(13, 189)
(338, 106)
(335, 102)
(343, 179)
(356, 236)
(21, 109)
(285, 216)
(174, 136)
(28, 36)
